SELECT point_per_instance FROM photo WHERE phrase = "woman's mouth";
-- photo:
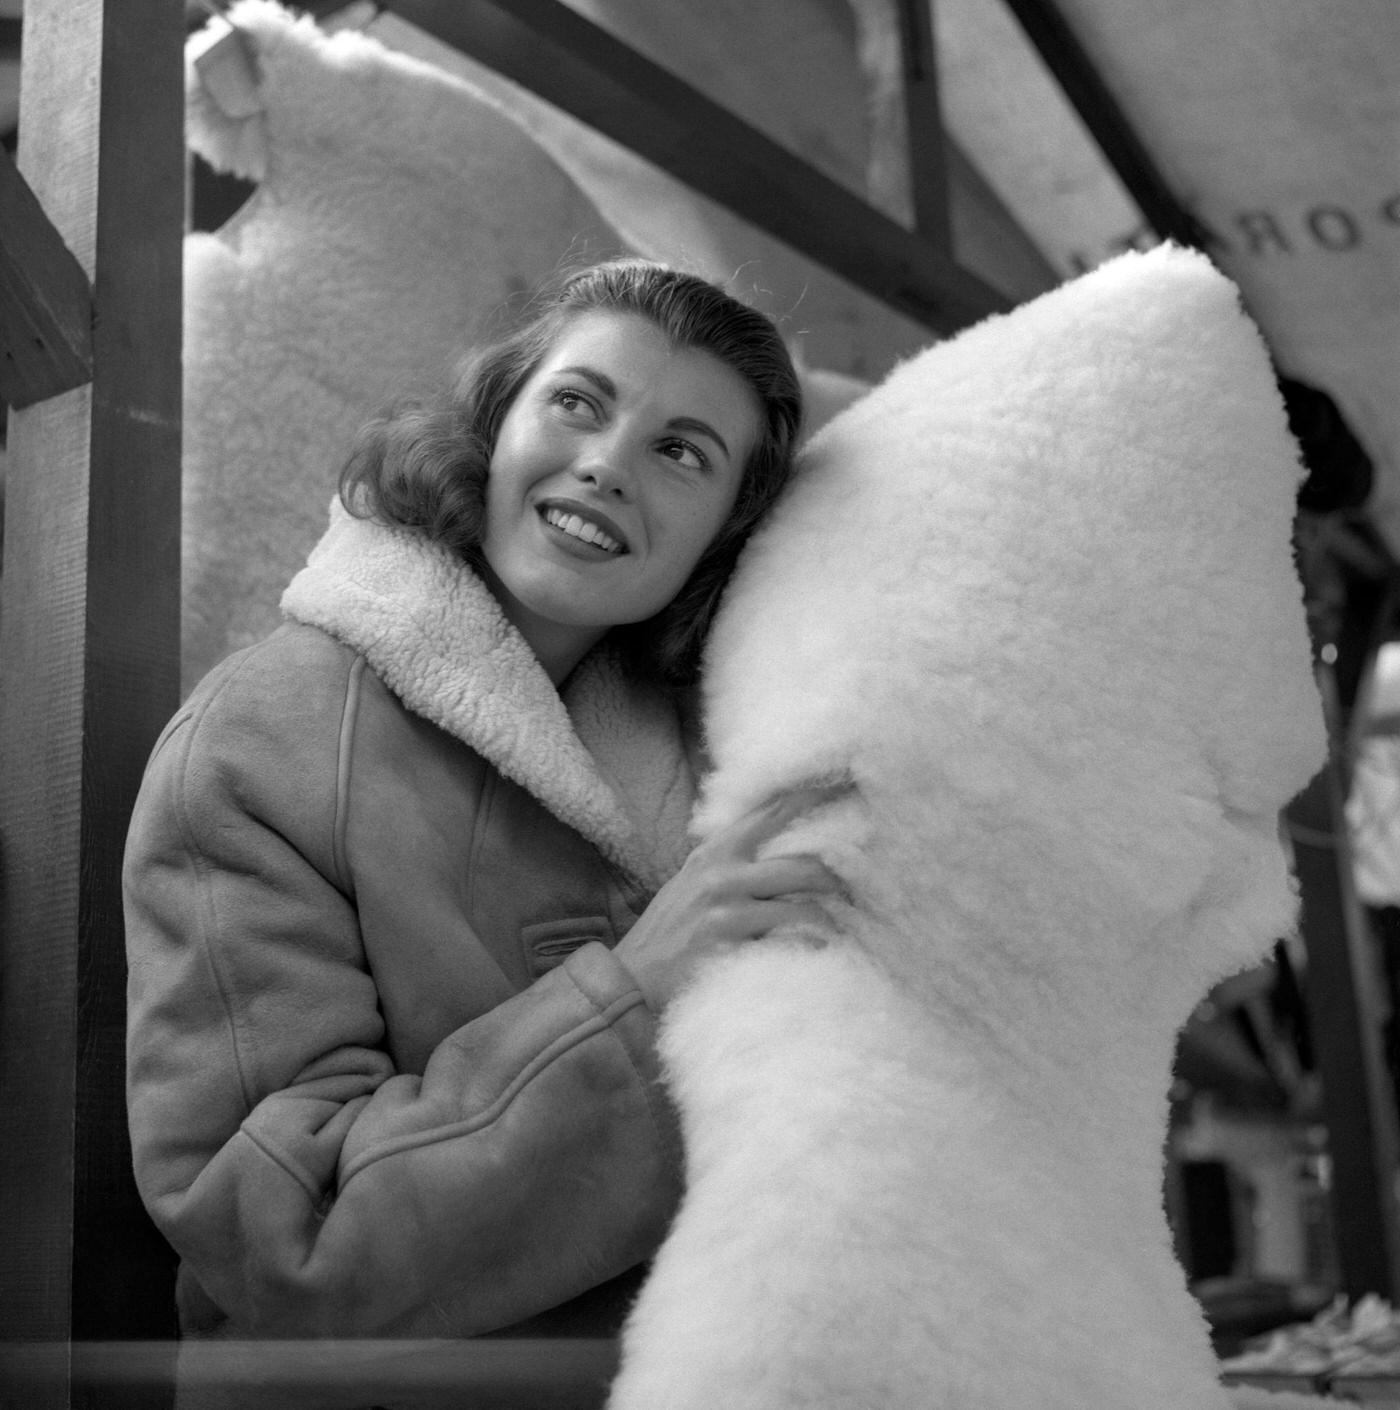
(576, 526)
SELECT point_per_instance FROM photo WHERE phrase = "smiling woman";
(731, 405)
(408, 883)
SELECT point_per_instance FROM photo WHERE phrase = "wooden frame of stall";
(91, 224)
(89, 641)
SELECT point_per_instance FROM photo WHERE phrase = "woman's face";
(615, 467)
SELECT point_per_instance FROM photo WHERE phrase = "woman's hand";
(724, 895)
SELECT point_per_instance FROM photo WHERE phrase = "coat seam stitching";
(601, 1023)
(349, 718)
(284, 1164)
(485, 801)
(209, 928)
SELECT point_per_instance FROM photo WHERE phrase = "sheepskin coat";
(372, 881)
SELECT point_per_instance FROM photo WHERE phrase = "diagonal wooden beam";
(1084, 87)
(554, 52)
(45, 300)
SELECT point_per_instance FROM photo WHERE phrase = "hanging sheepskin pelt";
(1033, 599)
(397, 213)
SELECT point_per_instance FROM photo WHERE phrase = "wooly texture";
(398, 211)
(1034, 597)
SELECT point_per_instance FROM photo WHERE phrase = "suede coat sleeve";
(314, 1180)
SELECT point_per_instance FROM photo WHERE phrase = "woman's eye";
(571, 400)
(686, 454)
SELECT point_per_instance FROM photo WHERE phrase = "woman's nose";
(608, 469)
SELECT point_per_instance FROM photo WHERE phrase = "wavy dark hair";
(423, 464)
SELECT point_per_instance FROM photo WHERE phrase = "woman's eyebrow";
(601, 380)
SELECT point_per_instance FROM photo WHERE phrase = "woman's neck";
(558, 646)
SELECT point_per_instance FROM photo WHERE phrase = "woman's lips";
(585, 525)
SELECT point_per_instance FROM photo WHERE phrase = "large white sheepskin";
(398, 210)
(1034, 597)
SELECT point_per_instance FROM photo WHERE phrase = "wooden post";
(1343, 991)
(923, 121)
(89, 670)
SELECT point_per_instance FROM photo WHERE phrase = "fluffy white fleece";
(1034, 596)
(398, 210)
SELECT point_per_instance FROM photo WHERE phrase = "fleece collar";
(607, 757)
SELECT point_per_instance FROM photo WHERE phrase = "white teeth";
(577, 527)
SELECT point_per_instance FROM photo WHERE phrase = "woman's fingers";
(759, 919)
(792, 875)
(751, 831)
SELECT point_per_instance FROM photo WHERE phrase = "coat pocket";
(549, 943)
